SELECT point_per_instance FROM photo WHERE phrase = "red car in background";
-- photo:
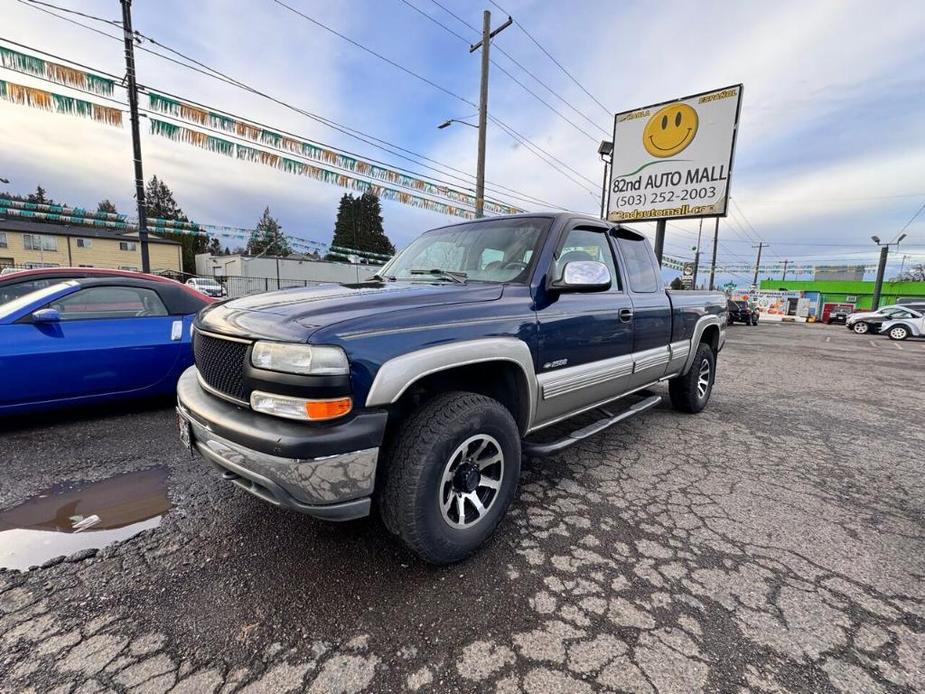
(16, 283)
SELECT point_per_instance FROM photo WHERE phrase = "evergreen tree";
(214, 247)
(268, 238)
(359, 225)
(39, 196)
(676, 283)
(160, 204)
(106, 206)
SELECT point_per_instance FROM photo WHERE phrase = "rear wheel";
(690, 392)
(451, 476)
(899, 332)
(861, 328)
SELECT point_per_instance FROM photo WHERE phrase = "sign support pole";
(660, 239)
(881, 270)
(715, 244)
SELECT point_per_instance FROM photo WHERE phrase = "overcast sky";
(831, 146)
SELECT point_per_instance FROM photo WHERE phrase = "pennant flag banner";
(58, 103)
(354, 251)
(55, 72)
(245, 153)
(62, 218)
(61, 209)
(309, 150)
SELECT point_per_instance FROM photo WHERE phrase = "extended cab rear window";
(640, 268)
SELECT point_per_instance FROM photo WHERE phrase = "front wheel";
(899, 332)
(452, 473)
(690, 392)
(861, 328)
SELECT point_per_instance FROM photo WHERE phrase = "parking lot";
(775, 542)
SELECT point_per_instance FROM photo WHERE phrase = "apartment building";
(40, 244)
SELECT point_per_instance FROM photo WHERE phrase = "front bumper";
(324, 471)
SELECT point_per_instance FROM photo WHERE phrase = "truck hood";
(294, 314)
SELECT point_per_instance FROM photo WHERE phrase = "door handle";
(626, 315)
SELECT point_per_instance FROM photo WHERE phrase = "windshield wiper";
(458, 277)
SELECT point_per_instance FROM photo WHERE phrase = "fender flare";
(398, 374)
(702, 324)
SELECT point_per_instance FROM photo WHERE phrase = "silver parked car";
(864, 322)
(912, 324)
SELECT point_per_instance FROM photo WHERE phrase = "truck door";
(651, 307)
(585, 339)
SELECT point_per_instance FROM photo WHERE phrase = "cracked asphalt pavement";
(773, 543)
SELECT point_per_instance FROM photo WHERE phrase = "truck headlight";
(314, 360)
(299, 408)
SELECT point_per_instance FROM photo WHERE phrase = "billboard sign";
(674, 160)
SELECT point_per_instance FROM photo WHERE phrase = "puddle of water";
(66, 519)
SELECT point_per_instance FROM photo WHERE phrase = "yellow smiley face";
(670, 130)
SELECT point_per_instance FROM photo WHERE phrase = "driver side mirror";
(46, 315)
(583, 276)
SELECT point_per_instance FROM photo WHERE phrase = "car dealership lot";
(775, 542)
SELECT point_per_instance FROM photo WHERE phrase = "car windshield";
(489, 251)
(17, 304)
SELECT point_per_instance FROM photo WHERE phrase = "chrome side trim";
(573, 413)
(397, 374)
(680, 349)
(651, 358)
(218, 336)
(575, 378)
(702, 323)
(219, 394)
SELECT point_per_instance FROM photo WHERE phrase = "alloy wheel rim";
(898, 333)
(471, 481)
(703, 379)
(860, 328)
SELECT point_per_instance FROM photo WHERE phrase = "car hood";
(865, 314)
(294, 314)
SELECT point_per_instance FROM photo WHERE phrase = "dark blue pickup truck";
(422, 387)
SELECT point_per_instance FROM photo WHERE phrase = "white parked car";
(207, 286)
(910, 325)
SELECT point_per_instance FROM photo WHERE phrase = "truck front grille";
(221, 364)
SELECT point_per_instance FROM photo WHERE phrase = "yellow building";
(39, 244)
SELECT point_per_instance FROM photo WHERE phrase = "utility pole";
(485, 44)
(881, 268)
(784, 275)
(132, 88)
(878, 285)
(715, 244)
(697, 255)
(660, 239)
(760, 245)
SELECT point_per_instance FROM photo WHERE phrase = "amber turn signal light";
(327, 409)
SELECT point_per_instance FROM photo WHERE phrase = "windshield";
(17, 304)
(489, 251)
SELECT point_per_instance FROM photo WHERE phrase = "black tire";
(861, 328)
(423, 451)
(898, 332)
(683, 390)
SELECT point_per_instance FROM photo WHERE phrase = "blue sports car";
(85, 341)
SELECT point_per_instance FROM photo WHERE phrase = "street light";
(881, 268)
(605, 150)
(446, 124)
(4, 180)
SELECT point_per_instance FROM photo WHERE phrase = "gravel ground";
(776, 542)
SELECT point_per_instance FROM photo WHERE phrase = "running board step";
(542, 449)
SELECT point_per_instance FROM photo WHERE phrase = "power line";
(520, 26)
(372, 140)
(506, 54)
(424, 79)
